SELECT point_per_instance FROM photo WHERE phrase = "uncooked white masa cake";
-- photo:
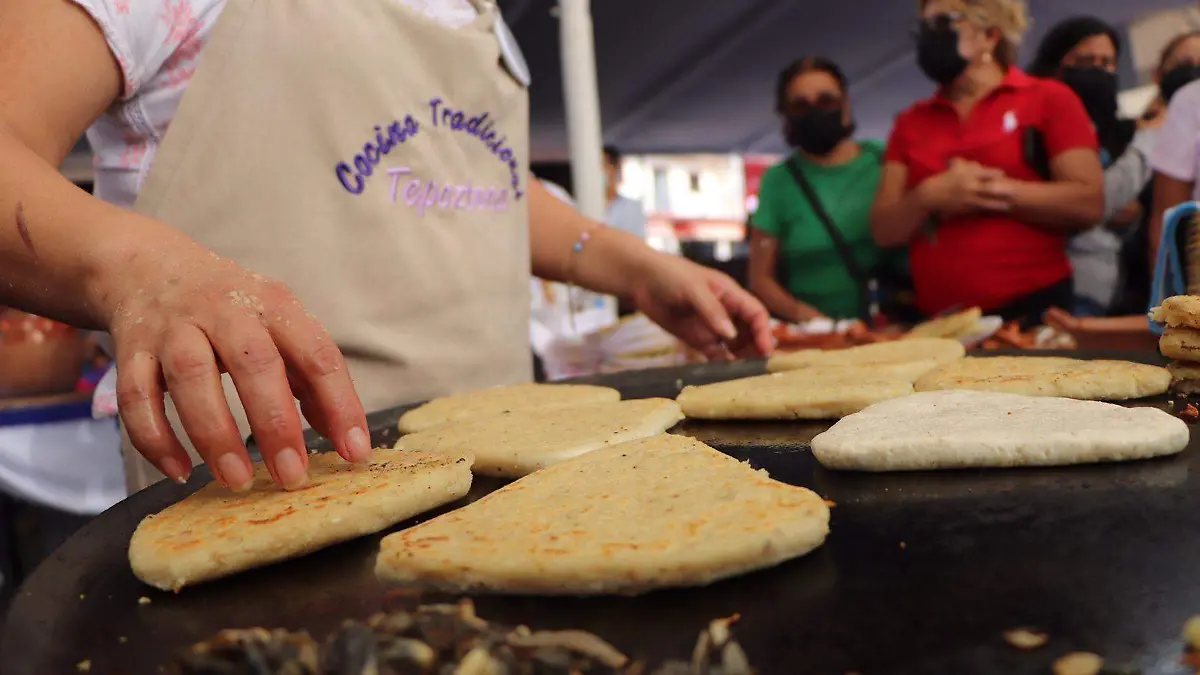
(972, 429)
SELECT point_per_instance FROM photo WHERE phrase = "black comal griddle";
(920, 574)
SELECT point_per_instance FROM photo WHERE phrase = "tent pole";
(584, 135)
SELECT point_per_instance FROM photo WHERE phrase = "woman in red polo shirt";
(986, 180)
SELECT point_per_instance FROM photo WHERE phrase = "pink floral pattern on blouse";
(179, 18)
(157, 44)
(135, 150)
(187, 32)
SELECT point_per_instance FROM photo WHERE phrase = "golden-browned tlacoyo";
(518, 443)
(215, 533)
(660, 512)
(498, 400)
(1050, 376)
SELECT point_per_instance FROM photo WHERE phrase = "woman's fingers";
(996, 189)
(689, 328)
(747, 311)
(993, 196)
(1057, 318)
(142, 408)
(710, 313)
(711, 348)
(195, 385)
(988, 173)
(326, 390)
(312, 412)
(206, 314)
(246, 349)
(705, 303)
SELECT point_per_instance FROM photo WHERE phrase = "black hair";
(1065, 36)
(611, 154)
(1116, 134)
(809, 64)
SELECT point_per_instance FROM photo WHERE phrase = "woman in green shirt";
(795, 267)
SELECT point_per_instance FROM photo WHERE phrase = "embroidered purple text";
(481, 127)
(424, 195)
(354, 178)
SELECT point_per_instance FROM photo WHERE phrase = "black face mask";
(1097, 88)
(1177, 78)
(937, 54)
(817, 132)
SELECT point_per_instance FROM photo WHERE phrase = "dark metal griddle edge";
(920, 574)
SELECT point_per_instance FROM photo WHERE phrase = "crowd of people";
(1017, 190)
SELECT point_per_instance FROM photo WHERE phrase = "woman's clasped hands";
(967, 187)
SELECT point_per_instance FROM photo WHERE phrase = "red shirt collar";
(1014, 79)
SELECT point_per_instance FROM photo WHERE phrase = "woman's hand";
(966, 187)
(1115, 333)
(704, 308)
(182, 316)
(1130, 214)
(1064, 321)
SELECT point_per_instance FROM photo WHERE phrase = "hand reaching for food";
(1104, 333)
(178, 328)
(705, 309)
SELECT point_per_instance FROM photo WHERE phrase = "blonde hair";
(1010, 18)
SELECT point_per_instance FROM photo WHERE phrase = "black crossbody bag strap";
(857, 273)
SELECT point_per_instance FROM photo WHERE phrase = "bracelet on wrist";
(572, 262)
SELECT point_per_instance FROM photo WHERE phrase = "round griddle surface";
(921, 573)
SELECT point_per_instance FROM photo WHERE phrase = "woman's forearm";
(1124, 180)
(780, 302)
(58, 244)
(609, 262)
(1071, 202)
(895, 222)
(1062, 206)
(764, 284)
(898, 212)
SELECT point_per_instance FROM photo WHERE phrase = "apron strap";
(510, 49)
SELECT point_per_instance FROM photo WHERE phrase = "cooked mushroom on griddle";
(445, 639)
(717, 652)
(255, 651)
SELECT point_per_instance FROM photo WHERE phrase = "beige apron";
(375, 161)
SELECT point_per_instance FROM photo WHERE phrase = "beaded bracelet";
(568, 272)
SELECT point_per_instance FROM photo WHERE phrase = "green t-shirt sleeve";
(769, 218)
(876, 148)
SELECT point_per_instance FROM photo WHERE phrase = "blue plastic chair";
(1170, 277)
